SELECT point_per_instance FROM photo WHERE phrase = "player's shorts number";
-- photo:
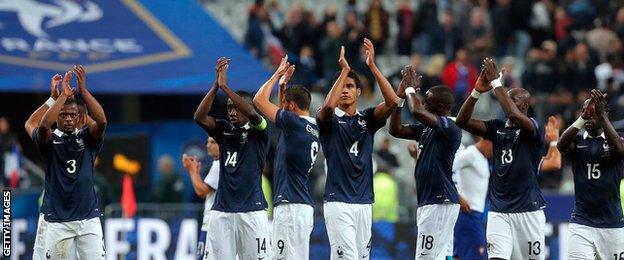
(231, 159)
(534, 248)
(592, 171)
(280, 245)
(618, 257)
(507, 156)
(72, 166)
(427, 242)
(261, 245)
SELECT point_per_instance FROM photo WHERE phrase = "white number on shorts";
(354, 148)
(534, 248)
(615, 256)
(314, 149)
(280, 245)
(592, 171)
(231, 159)
(72, 166)
(507, 156)
(261, 246)
(427, 242)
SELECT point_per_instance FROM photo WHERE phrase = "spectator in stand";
(330, 47)
(377, 19)
(447, 38)
(478, 37)
(540, 22)
(306, 68)
(542, 75)
(8, 142)
(388, 156)
(406, 20)
(170, 187)
(294, 30)
(460, 75)
(619, 23)
(502, 26)
(427, 21)
(578, 73)
(562, 23)
(354, 35)
(254, 36)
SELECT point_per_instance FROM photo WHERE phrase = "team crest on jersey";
(362, 122)
(517, 134)
(244, 137)
(52, 34)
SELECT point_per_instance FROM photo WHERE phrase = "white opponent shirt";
(212, 180)
(472, 174)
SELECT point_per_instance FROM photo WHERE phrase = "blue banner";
(127, 46)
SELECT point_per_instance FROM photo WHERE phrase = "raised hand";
(283, 67)
(191, 164)
(222, 66)
(67, 89)
(481, 85)
(599, 101)
(220, 63)
(54, 83)
(409, 78)
(80, 76)
(370, 52)
(491, 70)
(344, 65)
(552, 129)
(287, 76)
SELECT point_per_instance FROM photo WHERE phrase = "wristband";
(498, 82)
(400, 102)
(579, 123)
(410, 90)
(50, 102)
(475, 94)
(553, 143)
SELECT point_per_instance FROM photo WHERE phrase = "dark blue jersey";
(347, 143)
(296, 153)
(516, 157)
(68, 162)
(242, 152)
(597, 174)
(434, 168)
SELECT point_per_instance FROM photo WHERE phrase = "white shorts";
(67, 240)
(349, 229)
(292, 226)
(586, 242)
(435, 230)
(38, 248)
(516, 235)
(243, 233)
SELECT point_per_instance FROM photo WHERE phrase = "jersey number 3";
(71, 168)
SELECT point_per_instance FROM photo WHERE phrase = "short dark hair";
(444, 94)
(352, 74)
(246, 95)
(72, 101)
(300, 95)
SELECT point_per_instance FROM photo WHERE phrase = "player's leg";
(292, 226)
(38, 248)
(528, 229)
(609, 243)
(363, 229)
(59, 239)
(90, 241)
(340, 223)
(252, 235)
(221, 238)
(499, 236)
(435, 230)
(580, 242)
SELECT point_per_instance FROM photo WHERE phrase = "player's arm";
(262, 98)
(552, 160)
(96, 112)
(397, 129)
(332, 98)
(50, 116)
(464, 117)
(283, 82)
(34, 119)
(201, 116)
(193, 167)
(240, 103)
(568, 137)
(383, 110)
(511, 110)
(613, 138)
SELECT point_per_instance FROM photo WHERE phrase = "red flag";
(128, 201)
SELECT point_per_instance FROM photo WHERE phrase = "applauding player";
(238, 223)
(438, 138)
(596, 228)
(70, 206)
(297, 148)
(515, 228)
(347, 140)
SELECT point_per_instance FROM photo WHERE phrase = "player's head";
(236, 117)
(69, 116)
(352, 88)
(439, 100)
(590, 122)
(521, 98)
(297, 97)
(212, 148)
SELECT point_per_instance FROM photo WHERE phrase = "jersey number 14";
(231, 159)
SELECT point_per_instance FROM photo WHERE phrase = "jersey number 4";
(592, 171)
(354, 149)
(231, 159)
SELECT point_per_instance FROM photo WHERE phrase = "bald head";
(521, 97)
(440, 100)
